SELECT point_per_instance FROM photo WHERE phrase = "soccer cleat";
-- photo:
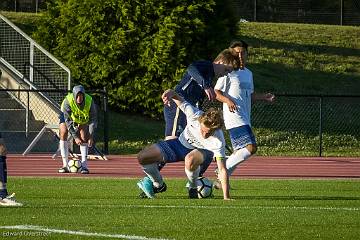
(193, 193)
(64, 170)
(147, 187)
(161, 165)
(156, 190)
(142, 195)
(84, 171)
(10, 201)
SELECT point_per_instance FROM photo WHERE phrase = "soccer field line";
(247, 207)
(79, 233)
(351, 209)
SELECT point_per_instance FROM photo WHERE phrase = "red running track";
(255, 167)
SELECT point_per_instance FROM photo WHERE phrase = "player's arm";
(189, 110)
(169, 95)
(218, 148)
(205, 83)
(223, 176)
(269, 97)
(222, 98)
(220, 87)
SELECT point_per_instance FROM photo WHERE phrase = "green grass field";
(107, 208)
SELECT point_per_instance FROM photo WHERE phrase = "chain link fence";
(23, 5)
(293, 125)
(306, 125)
(24, 114)
(339, 12)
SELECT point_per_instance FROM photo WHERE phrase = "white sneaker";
(10, 201)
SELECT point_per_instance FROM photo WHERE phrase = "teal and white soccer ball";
(204, 187)
(74, 165)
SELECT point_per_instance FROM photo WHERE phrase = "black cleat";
(193, 193)
(64, 170)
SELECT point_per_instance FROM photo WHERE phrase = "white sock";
(84, 153)
(152, 171)
(192, 176)
(64, 151)
(236, 158)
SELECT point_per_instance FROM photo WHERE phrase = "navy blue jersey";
(198, 76)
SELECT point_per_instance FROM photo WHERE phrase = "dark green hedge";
(135, 49)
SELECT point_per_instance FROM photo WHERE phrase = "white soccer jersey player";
(191, 136)
(238, 86)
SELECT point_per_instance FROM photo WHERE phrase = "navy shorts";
(173, 151)
(175, 120)
(241, 137)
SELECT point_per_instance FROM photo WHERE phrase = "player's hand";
(78, 141)
(90, 142)
(232, 106)
(269, 97)
(210, 93)
(229, 199)
(167, 96)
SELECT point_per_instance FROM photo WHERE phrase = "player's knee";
(63, 132)
(144, 156)
(63, 136)
(141, 157)
(2, 150)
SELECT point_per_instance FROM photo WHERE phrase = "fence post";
(31, 61)
(320, 126)
(341, 12)
(27, 120)
(106, 124)
(255, 7)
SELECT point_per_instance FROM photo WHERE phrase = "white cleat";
(10, 201)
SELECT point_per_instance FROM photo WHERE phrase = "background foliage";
(284, 58)
(134, 48)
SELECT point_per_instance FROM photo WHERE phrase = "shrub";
(135, 49)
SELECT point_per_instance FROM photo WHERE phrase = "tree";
(134, 48)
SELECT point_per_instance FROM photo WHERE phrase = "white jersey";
(238, 86)
(191, 136)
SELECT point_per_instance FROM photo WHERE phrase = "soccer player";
(236, 91)
(195, 86)
(5, 198)
(201, 140)
(79, 117)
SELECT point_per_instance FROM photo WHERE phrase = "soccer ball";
(204, 187)
(74, 165)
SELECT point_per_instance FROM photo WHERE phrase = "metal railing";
(36, 65)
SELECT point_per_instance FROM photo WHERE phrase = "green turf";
(263, 209)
